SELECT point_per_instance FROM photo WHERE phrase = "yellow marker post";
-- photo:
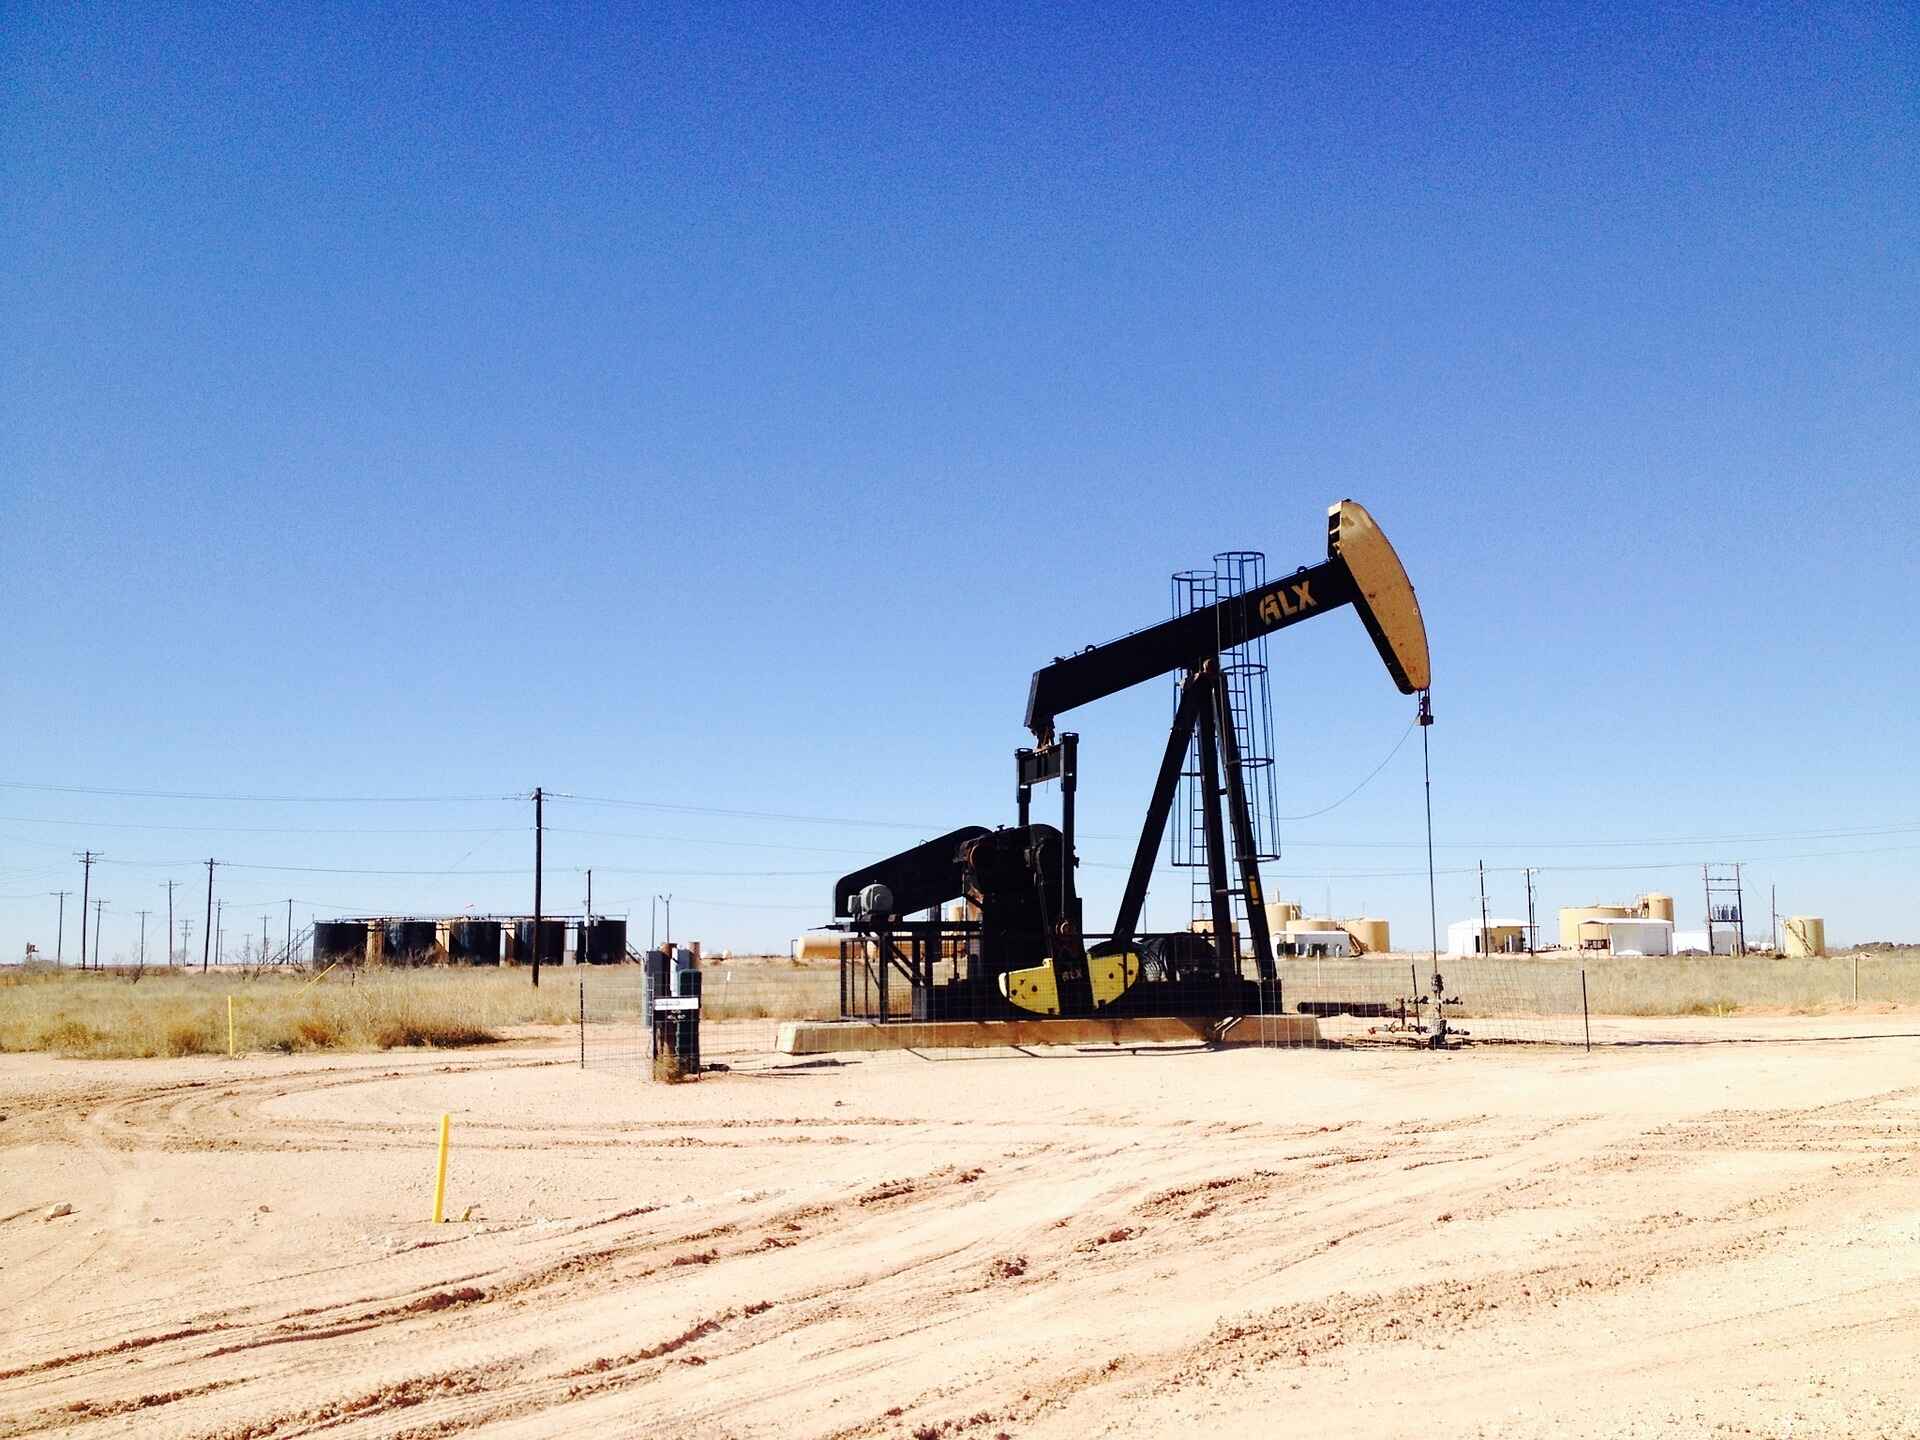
(229, 1027)
(440, 1180)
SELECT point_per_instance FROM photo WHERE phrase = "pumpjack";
(1023, 951)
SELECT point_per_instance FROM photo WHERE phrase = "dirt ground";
(1715, 1231)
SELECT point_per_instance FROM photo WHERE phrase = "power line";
(682, 809)
(264, 829)
(704, 840)
(1753, 837)
(259, 799)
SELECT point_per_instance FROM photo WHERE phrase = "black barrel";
(553, 942)
(603, 942)
(474, 942)
(339, 942)
(412, 942)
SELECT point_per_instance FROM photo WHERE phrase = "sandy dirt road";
(1660, 1239)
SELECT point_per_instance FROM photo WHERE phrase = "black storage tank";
(474, 942)
(553, 942)
(603, 942)
(412, 942)
(339, 942)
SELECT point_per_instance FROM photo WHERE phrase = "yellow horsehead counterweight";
(1038, 990)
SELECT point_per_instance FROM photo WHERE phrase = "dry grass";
(1684, 985)
(116, 1015)
(770, 992)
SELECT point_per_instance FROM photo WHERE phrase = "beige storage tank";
(1573, 916)
(1655, 906)
(1279, 912)
(1370, 932)
(1805, 935)
(1311, 922)
(818, 947)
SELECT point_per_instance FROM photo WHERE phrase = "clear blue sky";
(728, 407)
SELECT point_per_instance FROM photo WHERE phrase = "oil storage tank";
(603, 942)
(1373, 934)
(412, 942)
(339, 942)
(474, 942)
(1572, 917)
(553, 942)
(1806, 935)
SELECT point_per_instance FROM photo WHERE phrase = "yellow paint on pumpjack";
(1035, 989)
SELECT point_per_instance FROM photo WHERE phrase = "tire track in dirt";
(197, 1115)
(762, 1338)
(610, 1373)
(571, 1279)
(1391, 1316)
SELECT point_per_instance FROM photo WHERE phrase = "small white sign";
(677, 1002)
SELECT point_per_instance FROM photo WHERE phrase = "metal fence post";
(655, 987)
(1586, 1026)
(583, 1022)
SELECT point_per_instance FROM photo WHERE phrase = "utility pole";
(653, 923)
(60, 932)
(1529, 872)
(264, 942)
(1740, 904)
(206, 939)
(143, 937)
(183, 944)
(289, 931)
(669, 901)
(87, 857)
(99, 908)
(1706, 875)
(1486, 941)
(219, 931)
(1773, 921)
(539, 836)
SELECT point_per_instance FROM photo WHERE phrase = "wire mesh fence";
(742, 1009)
(1414, 999)
(1374, 1000)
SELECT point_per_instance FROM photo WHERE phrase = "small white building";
(1502, 936)
(1726, 941)
(1636, 936)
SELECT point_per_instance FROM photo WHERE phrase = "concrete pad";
(820, 1037)
(1277, 1030)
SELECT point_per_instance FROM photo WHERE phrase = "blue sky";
(727, 408)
